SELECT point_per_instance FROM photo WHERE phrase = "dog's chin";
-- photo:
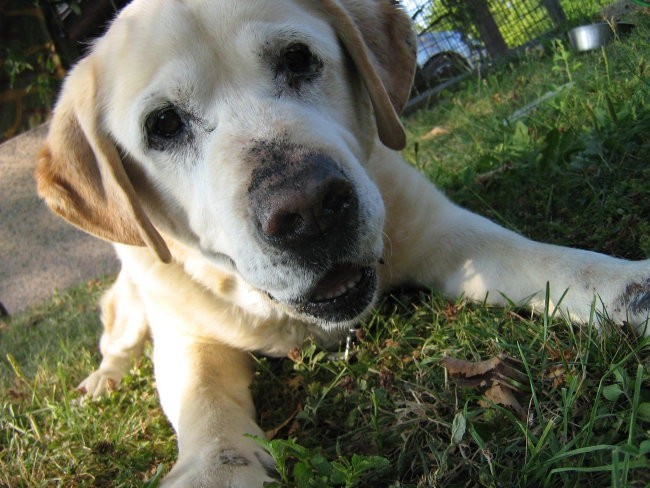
(339, 298)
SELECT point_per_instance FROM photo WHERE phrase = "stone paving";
(39, 252)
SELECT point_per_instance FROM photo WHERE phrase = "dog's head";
(241, 129)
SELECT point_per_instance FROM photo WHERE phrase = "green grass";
(574, 171)
(48, 437)
(580, 395)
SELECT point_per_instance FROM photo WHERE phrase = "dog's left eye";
(165, 123)
(298, 64)
(299, 60)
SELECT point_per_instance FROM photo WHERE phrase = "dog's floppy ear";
(80, 173)
(379, 37)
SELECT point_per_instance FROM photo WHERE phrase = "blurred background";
(41, 39)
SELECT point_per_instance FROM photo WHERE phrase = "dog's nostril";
(282, 224)
(337, 198)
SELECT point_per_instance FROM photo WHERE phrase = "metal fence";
(457, 36)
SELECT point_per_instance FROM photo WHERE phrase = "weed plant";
(573, 170)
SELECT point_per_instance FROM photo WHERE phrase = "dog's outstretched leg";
(463, 254)
(204, 389)
(125, 333)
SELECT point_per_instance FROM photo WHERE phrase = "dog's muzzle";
(306, 212)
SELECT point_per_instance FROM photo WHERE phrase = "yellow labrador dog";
(242, 157)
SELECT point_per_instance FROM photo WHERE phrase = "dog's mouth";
(342, 294)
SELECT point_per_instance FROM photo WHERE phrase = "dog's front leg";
(204, 391)
(485, 261)
(125, 333)
(460, 253)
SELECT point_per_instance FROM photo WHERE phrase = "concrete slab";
(39, 252)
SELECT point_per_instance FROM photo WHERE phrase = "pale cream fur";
(193, 276)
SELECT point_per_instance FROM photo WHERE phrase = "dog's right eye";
(165, 123)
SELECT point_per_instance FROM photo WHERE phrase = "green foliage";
(14, 64)
(311, 469)
(579, 11)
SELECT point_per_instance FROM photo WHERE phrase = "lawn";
(550, 404)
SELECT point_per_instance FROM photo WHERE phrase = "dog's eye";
(165, 123)
(298, 65)
(299, 60)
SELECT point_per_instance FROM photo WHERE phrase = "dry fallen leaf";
(294, 383)
(386, 378)
(15, 394)
(502, 395)
(482, 373)
(435, 132)
(561, 354)
(556, 375)
(451, 311)
(271, 433)
(500, 379)
(468, 369)
(295, 355)
(391, 343)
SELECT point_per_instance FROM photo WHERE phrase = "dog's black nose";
(302, 202)
(306, 208)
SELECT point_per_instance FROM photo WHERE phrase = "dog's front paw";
(634, 305)
(100, 382)
(225, 467)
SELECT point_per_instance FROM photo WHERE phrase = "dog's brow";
(322, 46)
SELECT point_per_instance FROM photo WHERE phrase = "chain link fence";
(459, 36)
